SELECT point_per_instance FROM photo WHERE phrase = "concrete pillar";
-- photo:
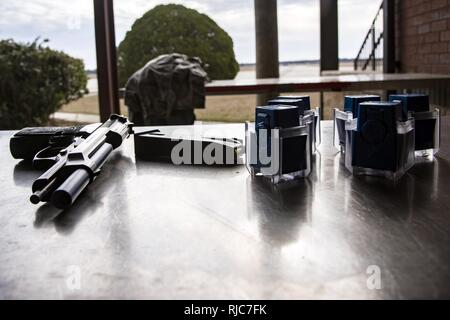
(266, 32)
(389, 36)
(108, 88)
(329, 35)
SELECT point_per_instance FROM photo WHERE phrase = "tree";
(35, 82)
(176, 29)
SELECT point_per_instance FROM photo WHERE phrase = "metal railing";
(367, 55)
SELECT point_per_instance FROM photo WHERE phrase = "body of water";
(248, 72)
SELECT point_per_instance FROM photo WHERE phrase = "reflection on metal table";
(154, 230)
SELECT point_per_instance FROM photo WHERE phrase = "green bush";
(35, 81)
(176, 29)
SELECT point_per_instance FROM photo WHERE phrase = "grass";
(88, 105)
(238, 108)
(224, 108)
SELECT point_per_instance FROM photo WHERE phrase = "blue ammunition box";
(276, 116)
(425, 128)
(351, 103)
(306, 99)
(375, 141)
(304, 105)
(302, 102)
(412, 103)
(282, 117)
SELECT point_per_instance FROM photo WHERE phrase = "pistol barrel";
(69, 191)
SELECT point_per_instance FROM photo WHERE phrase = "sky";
(69, 25)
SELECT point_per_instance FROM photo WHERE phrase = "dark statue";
(166, 91)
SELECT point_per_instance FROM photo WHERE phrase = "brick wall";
(423, 36)
(423, 42)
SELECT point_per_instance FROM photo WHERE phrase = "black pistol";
(75, 156)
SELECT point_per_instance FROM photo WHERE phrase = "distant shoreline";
(286, 63)
(290, 69)
(282, 63)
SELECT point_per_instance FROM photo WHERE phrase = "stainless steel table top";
(153, 230)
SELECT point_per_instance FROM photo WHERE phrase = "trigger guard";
(41, 161)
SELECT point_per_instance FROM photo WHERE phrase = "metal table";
(153, 230)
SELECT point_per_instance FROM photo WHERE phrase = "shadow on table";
(418, 190)
(24, 174)
(192, 171)
(280, 209)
